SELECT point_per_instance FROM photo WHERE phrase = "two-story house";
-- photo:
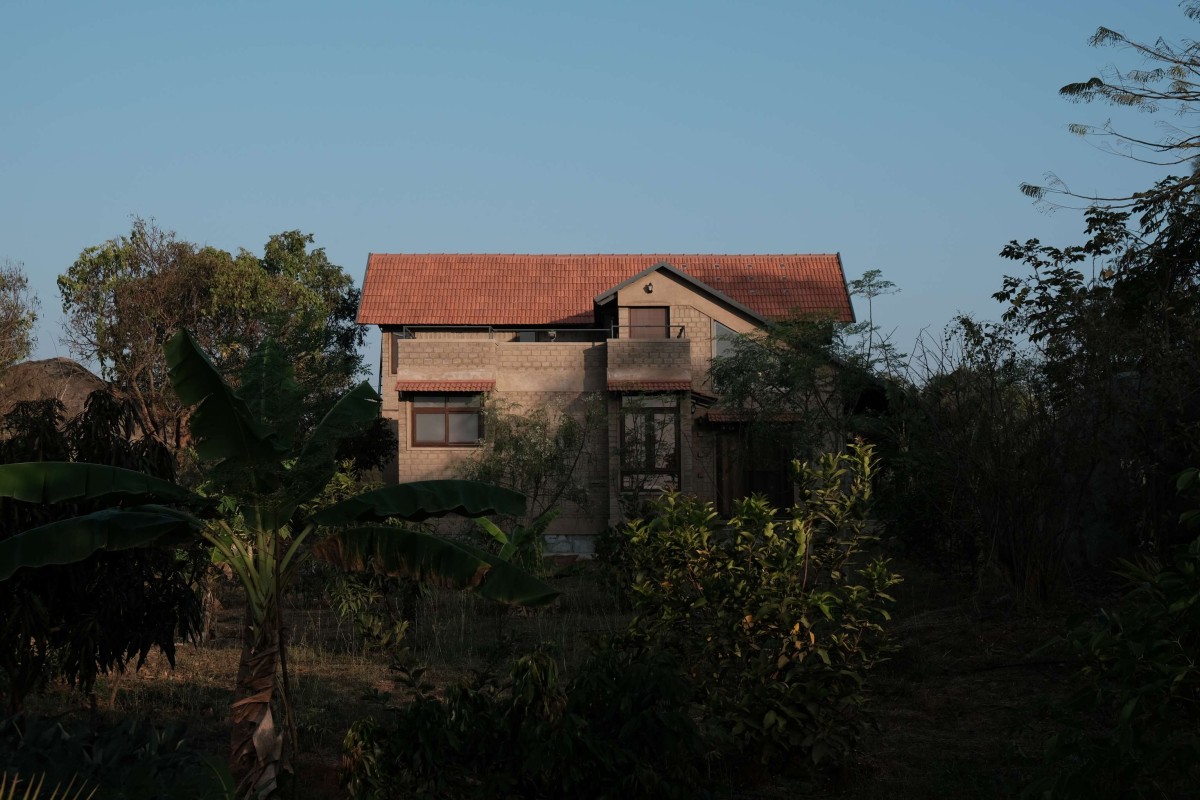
(637, 333)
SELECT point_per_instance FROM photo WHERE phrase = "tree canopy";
(124, 298)
(18, 313)
(1168, 79)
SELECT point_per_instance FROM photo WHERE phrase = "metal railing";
(506, 334)
(649, 332)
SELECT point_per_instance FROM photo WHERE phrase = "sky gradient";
(894, 133)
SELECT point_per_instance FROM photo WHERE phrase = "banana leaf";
(318, 460)
(72, 540)
(421, 500)
(222, 425)
(432, 559)
(65, 482)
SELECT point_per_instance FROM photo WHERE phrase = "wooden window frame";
(444, 411)
(644, 416)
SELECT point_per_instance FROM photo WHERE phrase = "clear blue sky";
(893, 132)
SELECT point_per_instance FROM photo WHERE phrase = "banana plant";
(524, 546)
(264, 525)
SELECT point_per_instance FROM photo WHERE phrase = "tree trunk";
(257, 743)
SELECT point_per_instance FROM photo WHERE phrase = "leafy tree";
(802, 380)
(18, 313)
(265, 476)
(1047, 440)
(80, 620)
(1165, 80)
(125, 298)
(776, 621)
(541, 453)
(1131, 728)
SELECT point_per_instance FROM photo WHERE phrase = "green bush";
(778, 620)
(131, 761)
(620, 728)
(380, 608)
(1132, 728)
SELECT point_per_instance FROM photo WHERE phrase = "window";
(724, 339)
(446, 419)
(649, 322)
(649, 443)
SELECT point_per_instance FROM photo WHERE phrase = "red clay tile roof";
(649, 386)
(445, 386)
(461, 289)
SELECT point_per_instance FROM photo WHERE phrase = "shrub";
(620, 728)
(131, 761)
(778, 620)
(1132, 728)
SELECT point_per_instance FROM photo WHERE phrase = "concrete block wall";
(698, 328)
(557, 375)
(649, 359)
(573, 532)
(570, 367)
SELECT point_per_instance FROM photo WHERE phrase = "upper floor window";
(649, 322)
(446, 419)
(724, 339)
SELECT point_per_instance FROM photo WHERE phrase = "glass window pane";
(465, 401)
(665, 445)
(464, 428)
(430, 401)
(633, 447)
(723, 340)
(429, 427)
(648, 483)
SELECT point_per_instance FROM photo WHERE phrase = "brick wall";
(558, 375)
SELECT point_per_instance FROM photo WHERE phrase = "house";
(637, 331)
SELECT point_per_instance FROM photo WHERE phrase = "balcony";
(658, 361)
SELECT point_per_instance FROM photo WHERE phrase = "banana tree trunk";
(257, 742)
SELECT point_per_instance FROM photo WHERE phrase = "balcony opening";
(649, 322)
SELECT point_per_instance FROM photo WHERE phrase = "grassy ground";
(961, 708)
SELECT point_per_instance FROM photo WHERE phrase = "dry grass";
(961, 710)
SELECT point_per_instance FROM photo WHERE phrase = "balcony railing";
(572, 335)
(648, 332)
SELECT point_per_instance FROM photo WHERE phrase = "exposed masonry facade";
(561, 374)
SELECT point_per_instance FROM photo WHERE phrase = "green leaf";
(422, 500)
(222, 425)
(268, 387)
(318, 460)
(507, 547)
(64, 482)
(72, 540)
(432, 559)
